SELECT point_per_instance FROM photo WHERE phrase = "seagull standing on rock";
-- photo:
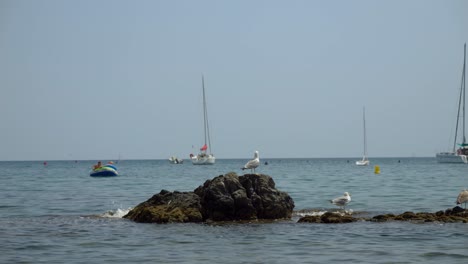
(342, 201)
(252, 164)
(463, 197)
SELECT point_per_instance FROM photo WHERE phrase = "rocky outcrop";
(166, 207)
(329, 218)
(224, 198)
(254, 197)
(454, 215)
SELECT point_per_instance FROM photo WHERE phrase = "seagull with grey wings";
(253, 163)
(463, 197)
(342, 201)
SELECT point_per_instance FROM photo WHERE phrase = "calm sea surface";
(59, 214)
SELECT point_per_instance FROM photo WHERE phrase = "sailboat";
(364, 161)
(460, 155)
(175, 160)
(205, 157)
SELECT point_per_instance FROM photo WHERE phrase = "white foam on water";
(118, 213)
(320, 212)
(303, 213)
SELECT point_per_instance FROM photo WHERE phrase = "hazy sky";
(99, 79)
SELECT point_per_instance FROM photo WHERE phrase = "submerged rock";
(454, 215)
(224, 198)
(329, 218)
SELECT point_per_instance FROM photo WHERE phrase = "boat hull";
(450, 157)
(104, 172)
(362, 162)
(206, 160)
(174, 160)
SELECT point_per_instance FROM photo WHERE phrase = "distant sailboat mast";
(461, 104)
(205, 117)
(464, 93)
(364, 161)
(204, 109)
(459, 152)
(205, 157)
(365, 136)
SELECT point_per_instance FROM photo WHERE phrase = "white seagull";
(463, 197)
(252, 164)
(342, 201)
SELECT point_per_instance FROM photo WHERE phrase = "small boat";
(204, 157)
(107, 170)
(461, 154)
(364, 161)
(175, 160)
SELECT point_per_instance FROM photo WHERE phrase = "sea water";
(57, 213)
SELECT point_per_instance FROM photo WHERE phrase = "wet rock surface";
(224, 198)
(166, 207)
(329, 218)
(454, 215)
(451, 215)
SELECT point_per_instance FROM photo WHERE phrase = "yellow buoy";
(377, 169)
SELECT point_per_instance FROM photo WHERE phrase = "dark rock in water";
(252, 196)
(329, 218)
(457, 210)
(168, 207)
(454, 215)
(439, 213)
(269, 202)
(310, 219)
(224, 198)
(406, 216)
(383, 218)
